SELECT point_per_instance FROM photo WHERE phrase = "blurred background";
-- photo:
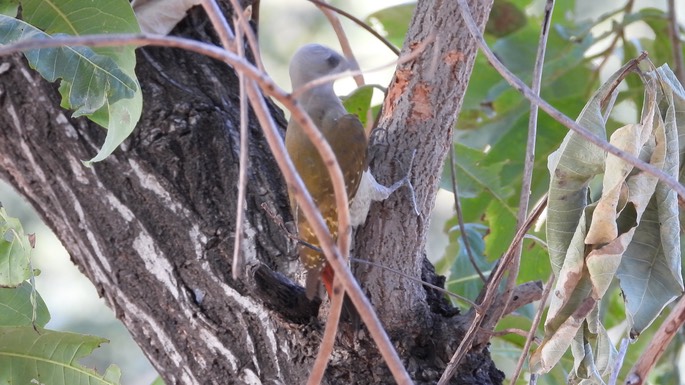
(285, 25)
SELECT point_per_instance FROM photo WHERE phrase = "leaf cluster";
(98, 83)
(644, 274)
(28, 352)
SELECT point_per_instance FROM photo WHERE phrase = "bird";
(344, 133)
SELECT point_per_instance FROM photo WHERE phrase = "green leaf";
(473, 176)
(158, 381)
(534, 262)
(88, 79)
(15, 251)
(359, 102)
(501, 219)
(120, 119)
(16, 308)
(463, 278)
(481, 180)
(505, 18)
(584, 271)
(650, 272)
(392, 22)
(495, 109)
(86, 17)
(9, 7)
(632, 231)
(49, 357)
(118, 115)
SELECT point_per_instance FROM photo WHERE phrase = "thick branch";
(419, 113)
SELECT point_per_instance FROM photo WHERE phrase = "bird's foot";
(371, 191)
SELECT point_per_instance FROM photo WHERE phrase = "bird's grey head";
(313, 61)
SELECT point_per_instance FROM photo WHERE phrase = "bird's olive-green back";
(348, 141)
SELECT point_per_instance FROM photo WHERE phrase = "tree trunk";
(153, 225)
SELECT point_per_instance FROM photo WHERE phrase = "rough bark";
(418, 116)
(152, 226)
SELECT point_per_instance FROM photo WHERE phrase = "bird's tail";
(349, 312)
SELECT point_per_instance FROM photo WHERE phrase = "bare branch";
(488, 298)
(220, 25)
(460, 217)
(618, 364)
(344, 41)
(359, 23)
(238, 260)
(328, 339)
(247, 31)
(657, 345)
(529, 161)
(676, 44)
(533, 328)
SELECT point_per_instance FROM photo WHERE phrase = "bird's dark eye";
(333, 61)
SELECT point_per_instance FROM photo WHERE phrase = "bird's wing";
(347, 138)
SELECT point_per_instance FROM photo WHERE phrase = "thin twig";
(676, 44)
(658, 344)
(332, 253)
(238, 260)
(490, 293)
(344, 229)
(417, 50)
(248, 32)
(460, 217)
(221, 26)
(271, 89)
(533, 328)
(328, 339)
(344, 238)
(618, 363)
(343, 40)
(407, 276)
(505, 332)
(529, 162)
(360, 23)
(619, 36)
(336, 254)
